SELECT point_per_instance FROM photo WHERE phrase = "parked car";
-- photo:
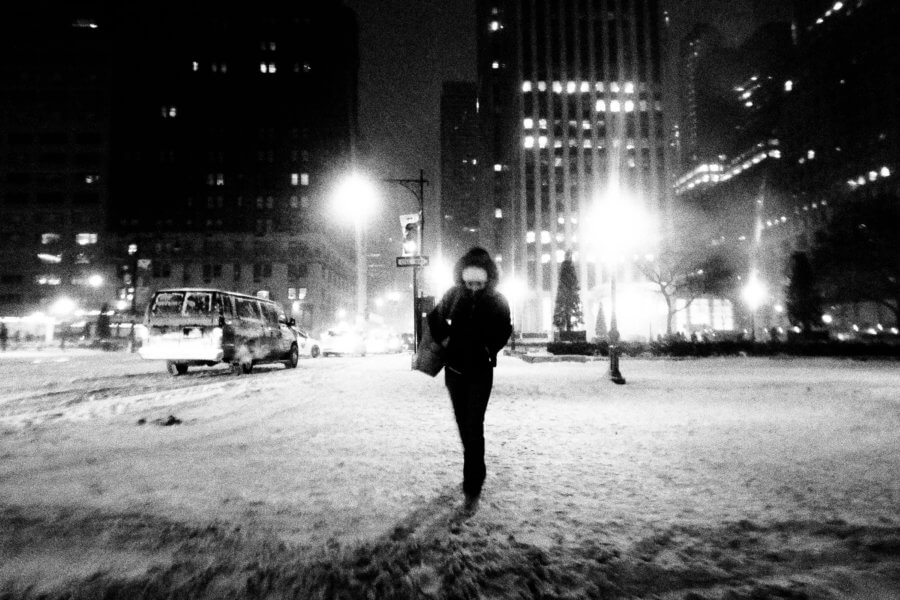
(343, 341)
(309, 346)
(202, 327)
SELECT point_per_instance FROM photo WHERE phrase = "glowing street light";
(619, 226)
(754, 293)
(355, 200)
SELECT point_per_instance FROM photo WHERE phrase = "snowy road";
(750, 477)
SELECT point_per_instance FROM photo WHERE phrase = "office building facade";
(571, 111)
(459, 229)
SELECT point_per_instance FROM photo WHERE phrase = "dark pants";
(470, 393)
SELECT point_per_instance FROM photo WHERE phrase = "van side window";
(246, 309)
(198, 303)
(227, 305)
(167, 303)
(270, 313)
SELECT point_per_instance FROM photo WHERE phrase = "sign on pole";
(412, 261)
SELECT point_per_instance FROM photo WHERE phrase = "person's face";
(475, 279)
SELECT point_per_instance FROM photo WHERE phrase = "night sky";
(409, 47)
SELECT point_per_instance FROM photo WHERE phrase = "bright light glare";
(355, 198)
(440, 274)
(754, 292)
(513, 288)
(95, 280)
(121, 305)
(620, 225)
(63, 306)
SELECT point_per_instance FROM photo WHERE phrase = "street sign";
(412, 261)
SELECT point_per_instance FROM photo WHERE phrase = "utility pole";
(417, 187)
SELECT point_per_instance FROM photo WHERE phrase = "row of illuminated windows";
(213, 271)
(82, 239)
(218, 179)
(584, 87)
(266, 67)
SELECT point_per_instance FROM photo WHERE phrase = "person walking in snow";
(472, 322)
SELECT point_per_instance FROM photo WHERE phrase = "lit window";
(788, 85)
(615, 106)
(169, 112)
(528, 123)
(570, 87)
(495, 65)
(498, 213)
(629, 87)
(885, 172)
(295, 178)
(542, 123)
(495, 25)
(601, 105)
(557, 87)
(542, 141)
(47, 280)
(195, 66)
(545, 237)
(526, 86)
(629, 106)
(529, 141)
(560, 256)
(614, 87)
(810, 154)
(84, 239)
(304, 178)
(545, 258)
(542, 86)
(529, 237)
(50, 259)
(498, 167)
(267, 67)
(585, 87)
(49, 238)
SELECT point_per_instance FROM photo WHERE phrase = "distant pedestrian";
(472, 322)
(4, 336)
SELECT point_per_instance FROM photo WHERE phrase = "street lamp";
(619, 224)
(754, 294)
(355, 200)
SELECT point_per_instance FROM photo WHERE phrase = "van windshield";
(167, 303)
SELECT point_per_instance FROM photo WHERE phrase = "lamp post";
(619, 224)
(355, 199)
(754, 293)
(614, 374)
(417, 187)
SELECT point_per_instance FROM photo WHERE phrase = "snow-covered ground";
(715, 478)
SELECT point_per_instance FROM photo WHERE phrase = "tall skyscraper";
(571, 108)
(230, 127)
(459, 151)
(54, 135)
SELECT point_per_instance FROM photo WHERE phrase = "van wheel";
(314, 352)
(293, 357)
(176, 368)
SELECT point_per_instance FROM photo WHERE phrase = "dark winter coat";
(478, 325)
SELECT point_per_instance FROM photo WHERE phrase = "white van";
(199, 326)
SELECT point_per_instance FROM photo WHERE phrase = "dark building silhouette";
(571, 106)
(54, 135)
(459, 162)
(229, 129)
(196, 144)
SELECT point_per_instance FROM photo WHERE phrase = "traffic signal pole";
(417, 187)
